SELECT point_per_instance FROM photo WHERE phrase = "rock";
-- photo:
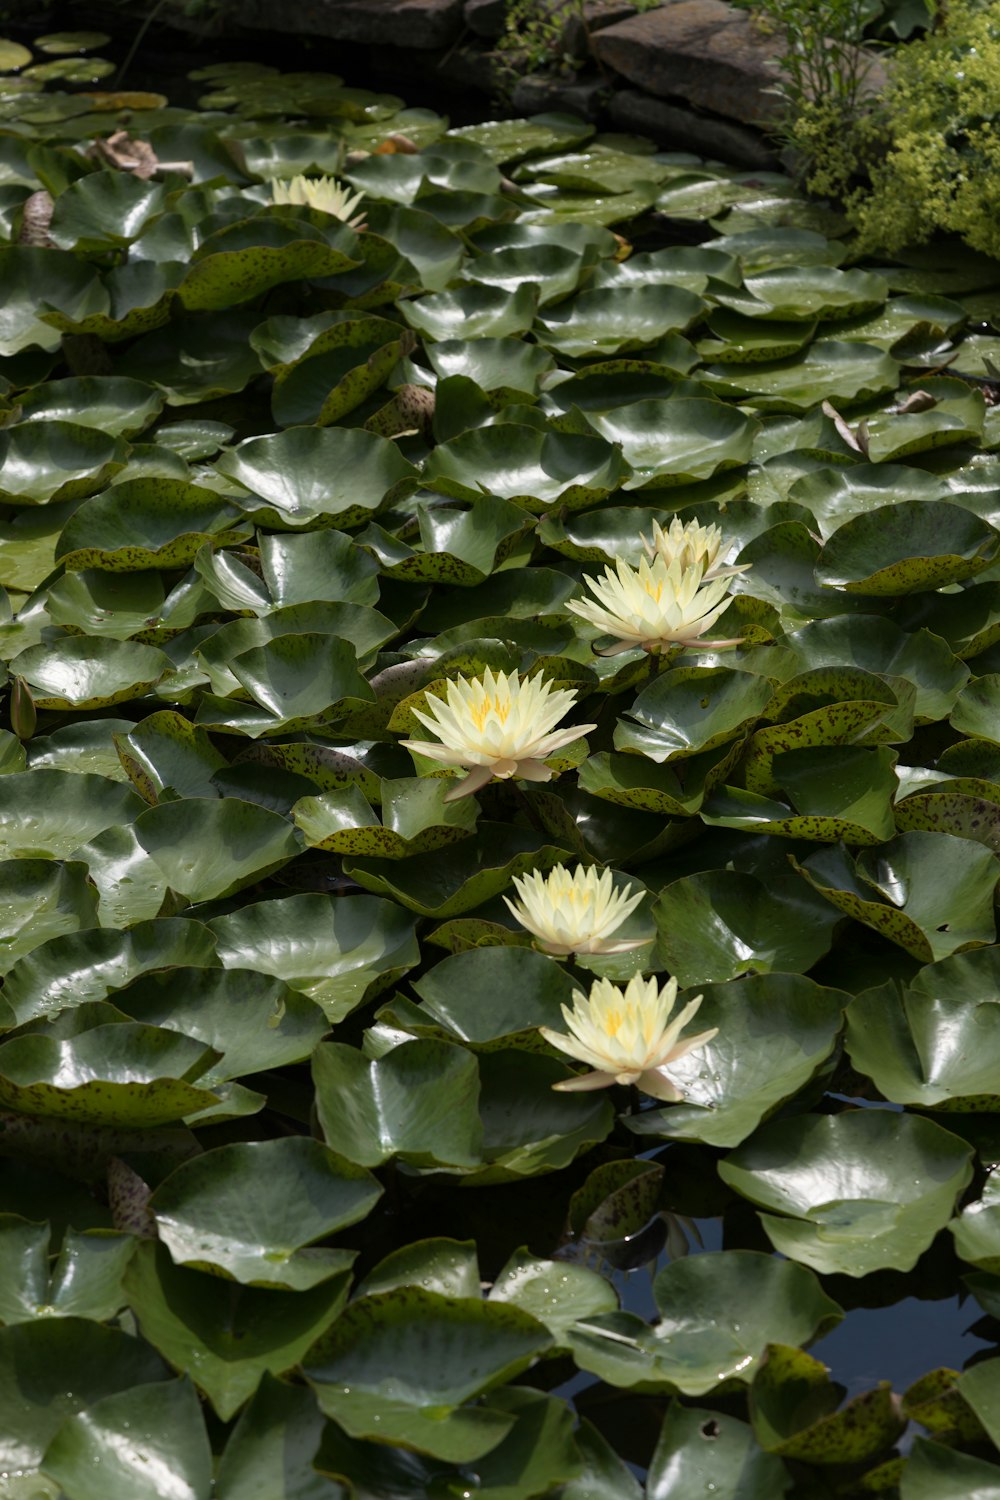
(486, 17)
(705, 51)
(398, 23)
(596, 15)
(537, 94)
(680, 129)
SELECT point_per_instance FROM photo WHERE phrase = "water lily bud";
(23, 714)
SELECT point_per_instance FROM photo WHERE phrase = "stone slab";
(485, 17)
(679, 129)
(704, 51)
(399, 23)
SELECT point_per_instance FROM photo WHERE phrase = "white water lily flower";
(324, 193)
(627, 1037)
(497, 726)
(654, 606)
(690, 544)
(574, 913)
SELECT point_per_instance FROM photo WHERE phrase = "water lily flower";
(324, 193)
(574, 913)
(654, 606)
(627, 1036)
(497, 726)
(688, 544)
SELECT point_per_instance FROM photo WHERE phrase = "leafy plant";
(941, 124)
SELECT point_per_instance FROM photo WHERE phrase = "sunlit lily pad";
(863, 1190)
(309, 474)
(308, 1194)
(717, 1313)
(146, 523)
(726, 1091)
(907, 547)
(536, 469)
(338, 952)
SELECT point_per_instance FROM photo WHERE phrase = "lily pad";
(535, 469)
(727, 1092)
(718, 1312)
(249, 1211)
(339, 952)
(907, 547)
(719, 924)
(862, 1191)
(333, 476)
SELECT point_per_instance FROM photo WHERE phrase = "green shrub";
(941, 169)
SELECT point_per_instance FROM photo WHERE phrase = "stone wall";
(695, 75)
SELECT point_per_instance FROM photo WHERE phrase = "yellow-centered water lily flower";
(655, 606)
(574, 913)
(689, 544)
(324, 193)
(497, 726)
(627, 1036)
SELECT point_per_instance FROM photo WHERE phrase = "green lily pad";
(252, 1021)
(617, 320)
(785, 1018)
(271, 1447)
(146, 523)
(718, 1312)
(53, 461)
(207, 847)
(525, 988)
(830, 370)
(265, 1330)
(341, 367)
(554, 269)
(957, 416)
(418, 1102)
(240, 262)
(876, 644)
(71, 970)
(793, 1406)
(339, 952)
(112, 403)
(460, 876)
(535, 469)
(678, 441)
(907, 547)
(41, 899)
(411, 1358)
(249, 1211)
(415, 819)
(105, 208)
(123, 1074)
(104, 1452)
(858, 1192)
(471, 312)
(692, 709)
(703, 1450)
(55, 1367)
(196, 359)
(84, 1280)
(811, 291)
(310, 475)
(934, 1472)
(932, 1049)
(81, 673)
(47, 814)
(719, 924)
(931, 893)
